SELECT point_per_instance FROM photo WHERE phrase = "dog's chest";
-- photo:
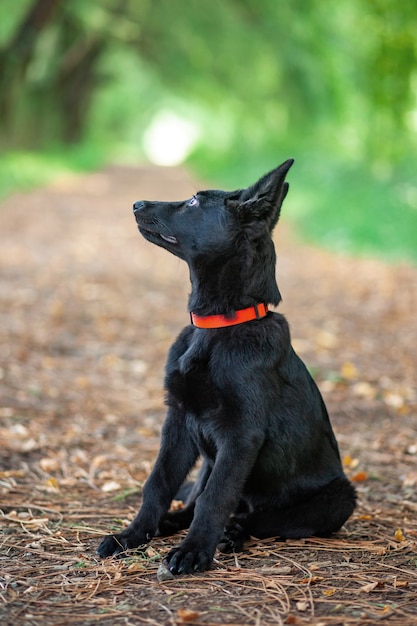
(190, 382)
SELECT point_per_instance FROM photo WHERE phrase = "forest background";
(231, 88)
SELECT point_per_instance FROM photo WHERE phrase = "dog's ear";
(262, 201)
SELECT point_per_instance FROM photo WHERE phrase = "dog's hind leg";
(319, 514)
(235, 532)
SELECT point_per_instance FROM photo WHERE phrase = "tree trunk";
(16, 55)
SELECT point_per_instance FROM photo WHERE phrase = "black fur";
(237, 396)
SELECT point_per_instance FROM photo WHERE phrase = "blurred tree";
(16, 55)
(345, 69)
(48, 74)
(391, 72)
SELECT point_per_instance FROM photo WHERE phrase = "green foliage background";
(333, 84)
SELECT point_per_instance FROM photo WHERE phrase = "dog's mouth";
(149, 233)
(151, 228)
(168, 238)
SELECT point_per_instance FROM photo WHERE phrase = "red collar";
(256, 312)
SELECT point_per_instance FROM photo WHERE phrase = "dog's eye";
(193, 201)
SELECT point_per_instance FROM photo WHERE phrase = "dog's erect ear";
(263, 200)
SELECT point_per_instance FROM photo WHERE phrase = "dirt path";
(87, 312)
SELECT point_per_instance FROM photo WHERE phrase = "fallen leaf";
(313, 580)
(283, 569)
(326, 340)
(401, 584)
(48, 464)
(111, 485)
(176, 505)
(399, 535)
(360, 477)
(82, 382)
(329, 592)
(348, 461)
(394, 400)
(363, 389)
(185, 615)
(51, 485)
(348, 371)
(135, 567)
(150, 552)
(98, 460)
(409, 505)
(410, 480)
(371, 586)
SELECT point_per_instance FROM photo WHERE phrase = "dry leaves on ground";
(87, 314)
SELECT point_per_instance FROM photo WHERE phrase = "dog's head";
(211, 220)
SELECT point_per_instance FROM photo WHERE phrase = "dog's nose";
(138, 206)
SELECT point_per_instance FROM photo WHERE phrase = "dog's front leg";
(176, 457)
(214, 507)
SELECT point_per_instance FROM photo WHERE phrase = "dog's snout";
(138, 206)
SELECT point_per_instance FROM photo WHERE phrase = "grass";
(25, 170)
(356, 211)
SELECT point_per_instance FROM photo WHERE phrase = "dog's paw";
(173, 521)
(183, 561)
(111, 545)
(168, 527)
(233, 538)
(117, 545)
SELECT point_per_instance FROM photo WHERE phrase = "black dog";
(237, 393)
